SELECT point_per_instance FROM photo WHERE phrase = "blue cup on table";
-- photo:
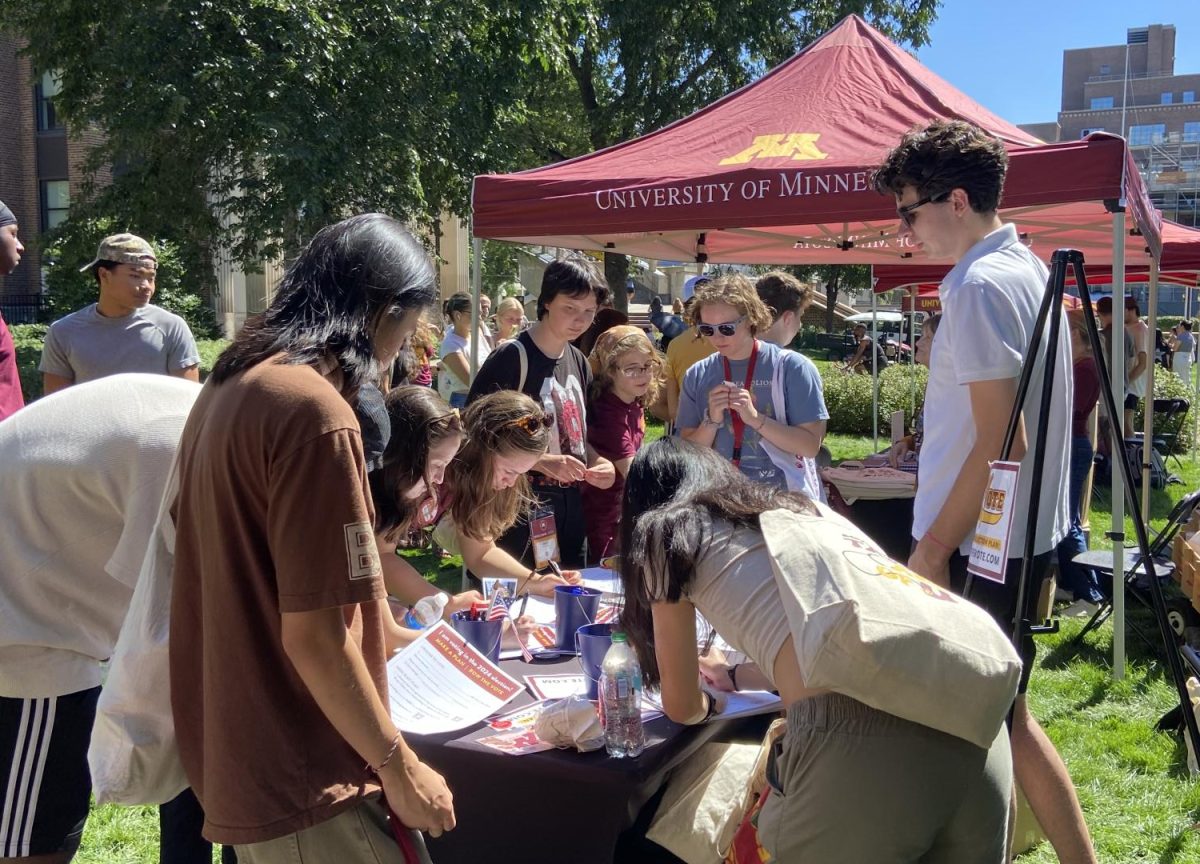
(592, 642)
(483, 636)
(574, 606)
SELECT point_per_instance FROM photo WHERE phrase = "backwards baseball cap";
(124, 249)
(6, 215)
(690, 286)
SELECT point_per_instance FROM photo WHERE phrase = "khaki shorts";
(359, 834)
(850, 784)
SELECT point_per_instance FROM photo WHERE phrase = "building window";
(56, 201)
(1151, 133)
(45, 91)
(1167, 98)
(1099, 103)
(1191, 131)
(1105, 69)
(1189, 96)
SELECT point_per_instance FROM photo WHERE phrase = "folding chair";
(1169, 417)
(1136, 581)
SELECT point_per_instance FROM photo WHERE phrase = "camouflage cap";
(124, 249)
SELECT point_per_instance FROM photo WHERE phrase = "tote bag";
(873, 630)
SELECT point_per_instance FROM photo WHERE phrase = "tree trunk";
(831, 296)
(616, 272)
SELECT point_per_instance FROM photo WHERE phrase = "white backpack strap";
(777, 400)
(524, 361)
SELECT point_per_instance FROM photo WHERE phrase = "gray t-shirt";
(803, 397)
(85, 345)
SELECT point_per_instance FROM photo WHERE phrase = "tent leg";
(1117, 385)
(1148, 405)
(476, 293)
(874, 370)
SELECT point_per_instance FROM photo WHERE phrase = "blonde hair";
(610, 345)
(736, 291)
(510, 303)
(496, 424)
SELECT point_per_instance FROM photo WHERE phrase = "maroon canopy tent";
(779, 172)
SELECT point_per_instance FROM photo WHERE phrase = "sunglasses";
(906, 214)
(531, 423)
(726, 329)
(637, 371)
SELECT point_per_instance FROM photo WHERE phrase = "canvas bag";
(871, 629)
(800, 473)
(134, 758)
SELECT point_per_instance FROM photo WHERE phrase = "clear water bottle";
(621, 700)
(427, 611)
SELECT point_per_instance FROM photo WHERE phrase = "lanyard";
(739, 425)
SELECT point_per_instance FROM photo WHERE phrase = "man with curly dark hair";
(948, 179)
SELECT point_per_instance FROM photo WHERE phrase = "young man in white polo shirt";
(948, 179)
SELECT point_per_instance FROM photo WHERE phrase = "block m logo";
(796, 145)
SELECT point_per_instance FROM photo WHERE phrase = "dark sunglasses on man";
(906, 214)
(726, 329)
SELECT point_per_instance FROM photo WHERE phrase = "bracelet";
(733, 676)
(525, 584)
(388, 757)
(762, 424)
(711, 711)
(936, 542)
(708, 421)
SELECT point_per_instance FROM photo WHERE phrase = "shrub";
(1167, 385)
(848, 398)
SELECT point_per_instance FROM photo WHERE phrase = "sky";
(1008, 55)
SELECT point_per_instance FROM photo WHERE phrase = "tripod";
(1052, 303)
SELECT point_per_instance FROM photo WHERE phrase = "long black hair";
(331, 298)
(673, 492)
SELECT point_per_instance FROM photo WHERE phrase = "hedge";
(28, 338)
(848, 398)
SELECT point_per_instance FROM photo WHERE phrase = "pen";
(708, 642)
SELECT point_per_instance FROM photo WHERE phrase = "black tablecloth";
(557, 806)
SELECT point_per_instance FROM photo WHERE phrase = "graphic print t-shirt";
(558, 384)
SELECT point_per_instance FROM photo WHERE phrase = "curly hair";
(610, 346)
(736, 291)
(495, 425)
(947, 155)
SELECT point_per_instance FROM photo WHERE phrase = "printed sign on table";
(439, 683)
(989, 550)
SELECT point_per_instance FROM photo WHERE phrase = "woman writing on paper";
(852, 782)
(486, 490)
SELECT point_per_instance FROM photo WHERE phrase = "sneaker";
(1080, 609)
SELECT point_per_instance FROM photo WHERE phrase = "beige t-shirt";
(272, 517)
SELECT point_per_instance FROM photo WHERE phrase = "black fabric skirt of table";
(557, 806)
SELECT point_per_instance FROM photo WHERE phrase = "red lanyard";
(739, 425)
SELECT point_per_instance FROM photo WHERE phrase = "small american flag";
(607, 613)
(499, 607)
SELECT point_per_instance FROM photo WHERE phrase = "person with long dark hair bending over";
(850, 782)
(279, 623)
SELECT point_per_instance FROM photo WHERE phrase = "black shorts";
(44, 777)
(1131, 402)
(1000, 601)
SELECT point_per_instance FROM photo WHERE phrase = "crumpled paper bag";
(570, 722)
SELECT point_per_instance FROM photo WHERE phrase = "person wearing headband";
(121, 331)
(11, 398)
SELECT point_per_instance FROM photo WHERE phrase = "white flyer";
(989, 550)
(439, 683)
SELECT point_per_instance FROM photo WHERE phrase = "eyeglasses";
(726, 329)
(637, 371)
(531, 423)
(906, 214)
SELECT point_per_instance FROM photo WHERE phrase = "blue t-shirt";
(803, 397)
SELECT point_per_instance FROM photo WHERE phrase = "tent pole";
(476, 292)
(1148, 404)
(912, 364)
(874, 367)
(1117, 385)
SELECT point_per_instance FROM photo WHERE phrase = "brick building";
(1132, 90)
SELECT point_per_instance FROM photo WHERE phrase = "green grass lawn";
(1132, 781)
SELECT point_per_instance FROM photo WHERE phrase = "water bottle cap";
(619, 637)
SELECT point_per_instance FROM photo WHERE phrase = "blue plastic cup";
(592, 642)
(483, 636)
(574, 606)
